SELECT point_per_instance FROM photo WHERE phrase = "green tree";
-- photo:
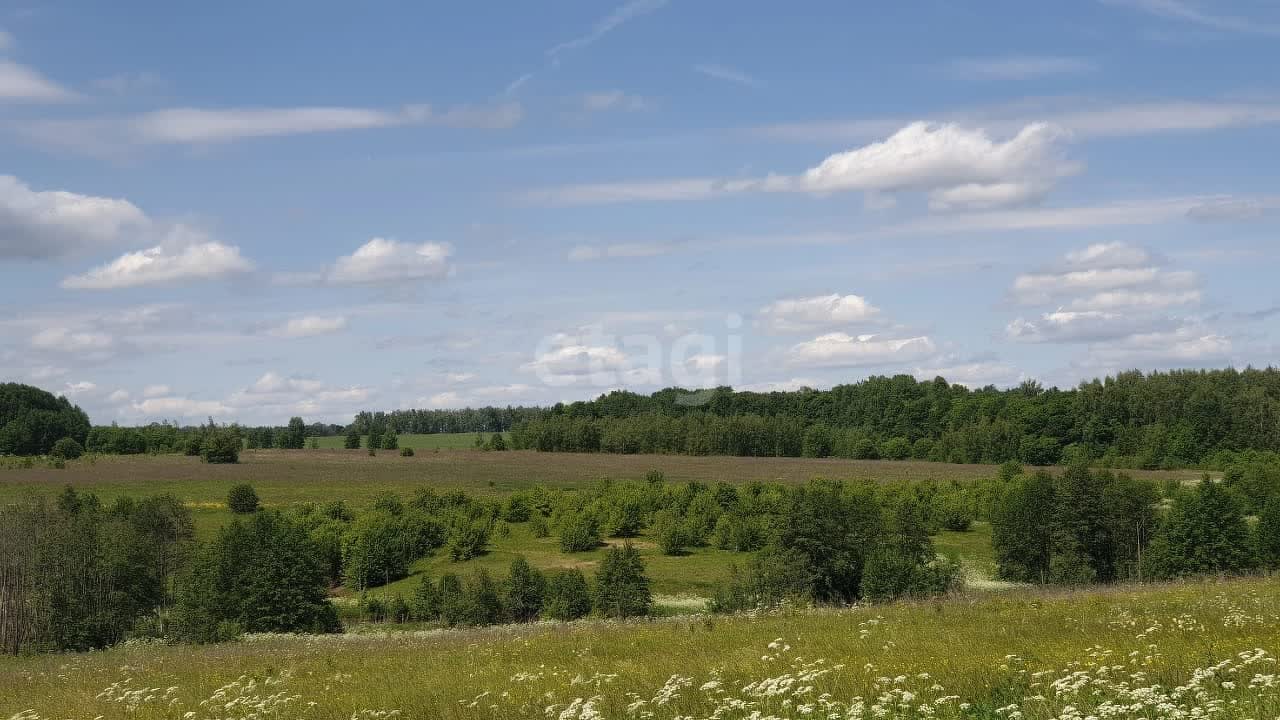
(294, 436)
(1205, 532)
(483, 605)
(352, 439)
(263, 575)
(242, 499)
(425, 604)
(67, 449)
(567, 596)
(622, 588)
(524, 590)
(220, 447)
(391, 441)
(375, 551)
(1022, 528)
(579, 531)
(451, 600)
(1267, 534)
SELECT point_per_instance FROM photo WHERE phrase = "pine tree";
(483, 606)
(622, 589)
(525, 588)
(352, 440)
(450, 599)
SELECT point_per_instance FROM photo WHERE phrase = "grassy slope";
(1145, 636)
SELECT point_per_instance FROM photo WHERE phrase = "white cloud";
(1020, 67)
(1108, 276)
(1109, 255)
(309, 326)
(19, 83)
(1082, 326)
(816, 313)
(583, 253)
(790, 385)
(274, 382)
(717, 71)
(511, 394)
(381, 261)
(46, 372)
(118, 397)
(151, 391)
(841, 350)
(78, 388)
(977, 374)
(185, 257)
(612, 100)
(1179, 10)
(38, 224)
(965, 166)
(64, 340)
(959, 168)
(200, 126)
(576, 359)
(179, 407)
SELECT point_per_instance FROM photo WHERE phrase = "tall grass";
(1177, 651)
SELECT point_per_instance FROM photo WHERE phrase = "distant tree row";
(1166, 419)
(464, 420)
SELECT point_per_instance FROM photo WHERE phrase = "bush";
(670, 532)
(352, 439)
(467, 540)
(374, 551)
(406, 452)
(773, 576)
(67, 449)
(1267, 534)
(451, 600)
(579, 532)
(622, 589)
(391, 441)
(538, 526)
(480, 597)
(220, 447)
(567, 596)
(242, 499)
(497, 442)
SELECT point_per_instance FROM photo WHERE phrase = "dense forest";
(465, 420)
(1163, 419)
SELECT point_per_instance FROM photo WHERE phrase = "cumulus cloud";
(1084, 326)
(513, 393)
(1107, 276)
(960, 167)
(957, 167)
(83, 387)
(381, 262)
(841, 350)
(19, 83)
(40, 224)
(816, 313)
(309, 326)
(151, 391)
(187, 256)
(179, 407)
(790, 385)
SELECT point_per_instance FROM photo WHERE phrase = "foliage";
(524, 591)
(567, 596)
(1267, 534)
(621, 587)
(220, 447)
(263, 575)
(67, 449)
(351, 440)
(32, 420)
(1205, 532)
(406, 452)
(579, 531)
(242, 498)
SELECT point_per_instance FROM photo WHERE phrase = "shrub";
(467, 540)
(406, 452)
(539, 527)
(1267, 534)
(242, 499)
(579, 532)
(517, 508)
(670, 532)
(374, 551)
(567, 596)
(497, 442)
(773, 576)
(67, 449)
(352, 439)
(425, 605)
(372, 452)
(622, 589)
(220, 447)
(391, 441)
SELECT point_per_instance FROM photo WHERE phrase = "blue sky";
(309, 208)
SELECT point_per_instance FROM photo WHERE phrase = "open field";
(432, 441)
(1160, 651)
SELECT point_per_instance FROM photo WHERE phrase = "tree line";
(1209, 418)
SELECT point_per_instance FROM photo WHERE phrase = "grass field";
(286, 477)
(1179, 651)
(432, 441)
